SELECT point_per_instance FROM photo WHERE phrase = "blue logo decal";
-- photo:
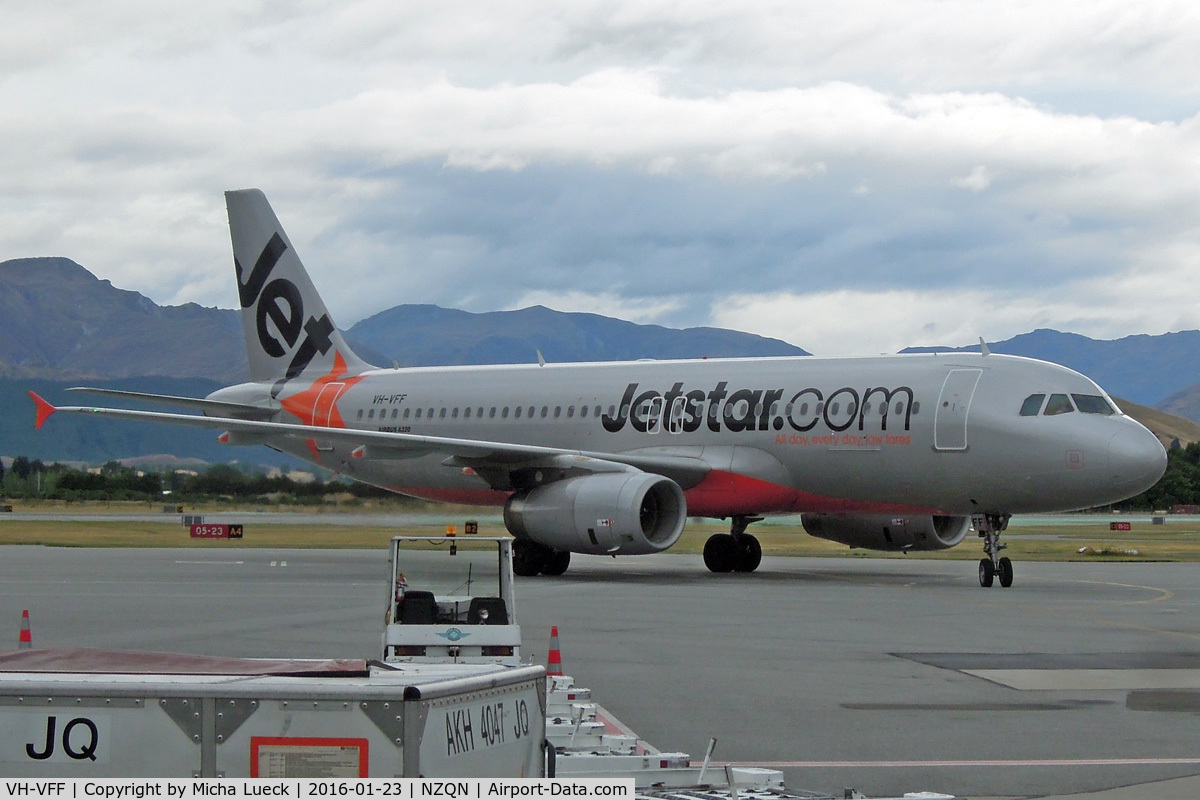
(454, 634)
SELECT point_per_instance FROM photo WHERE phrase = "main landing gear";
(989, 527)
(736, 551)
(531, 558)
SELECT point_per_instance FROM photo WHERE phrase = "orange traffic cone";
(26, 640)
(554, 661)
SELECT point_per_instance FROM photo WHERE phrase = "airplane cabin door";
(954, 403)
(653, 415)
(675, 418)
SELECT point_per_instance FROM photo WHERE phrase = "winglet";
(44, 410)
(983, 348)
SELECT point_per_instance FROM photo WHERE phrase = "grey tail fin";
(289, 333)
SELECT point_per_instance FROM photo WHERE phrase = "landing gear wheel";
(989, 527)
(557, 562)
(987, 572)
(529, 558)
(749, 553)
(1006, 572)
(720, 553)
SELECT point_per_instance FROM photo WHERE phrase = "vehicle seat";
(497, 612)
(418, 608)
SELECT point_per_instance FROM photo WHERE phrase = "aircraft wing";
(215, 407)
(489, 459)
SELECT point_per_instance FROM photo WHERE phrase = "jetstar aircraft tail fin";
(289, 332)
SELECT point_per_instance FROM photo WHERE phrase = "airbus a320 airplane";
(903, 452)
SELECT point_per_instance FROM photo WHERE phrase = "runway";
(885, 675)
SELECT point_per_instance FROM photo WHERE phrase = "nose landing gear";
(992, 566)
(736, 551)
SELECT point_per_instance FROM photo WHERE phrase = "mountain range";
(60, 322)
(60, 326)
(1148, 370)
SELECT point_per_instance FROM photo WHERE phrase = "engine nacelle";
(611, 513)
(880, 532)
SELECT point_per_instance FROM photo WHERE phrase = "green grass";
(1177, 540)
(1170, 542)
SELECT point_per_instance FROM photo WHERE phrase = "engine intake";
(618, 513)
(880, 532)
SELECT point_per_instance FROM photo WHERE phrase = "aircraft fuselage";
(929, 434)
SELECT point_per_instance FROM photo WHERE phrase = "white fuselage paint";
(959, 446)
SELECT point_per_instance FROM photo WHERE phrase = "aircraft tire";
(1006, 572)
(720, 553)
(529, 558)
(749, 554)
(987, 572)
(557, 562)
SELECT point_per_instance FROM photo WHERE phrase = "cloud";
(705, 43)
(661, 159)
(978, 180)
(862, 321)
(618, 117)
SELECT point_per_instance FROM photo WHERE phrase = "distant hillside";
(1145, 369)
(60, 322)
(57, 320)
(1167, 427)
(1184, 403)
(75, 438)
(424, 335)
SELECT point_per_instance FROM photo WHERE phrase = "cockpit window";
(1032, 405)
(1093, 404)
(1058, 404)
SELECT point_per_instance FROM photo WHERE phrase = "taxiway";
(886, 675)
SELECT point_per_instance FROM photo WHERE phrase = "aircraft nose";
(1136, 460)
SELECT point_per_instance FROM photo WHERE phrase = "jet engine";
(880, 532)
(612, 513)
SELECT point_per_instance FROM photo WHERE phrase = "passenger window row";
(532, 412)
(1062, 404)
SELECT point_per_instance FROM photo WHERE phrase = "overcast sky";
(852, 177)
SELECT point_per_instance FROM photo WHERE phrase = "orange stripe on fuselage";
(723, 494)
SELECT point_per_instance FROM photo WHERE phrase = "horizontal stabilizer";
(44, 410)
(212, 408)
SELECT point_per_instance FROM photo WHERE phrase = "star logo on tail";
(317, 405)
